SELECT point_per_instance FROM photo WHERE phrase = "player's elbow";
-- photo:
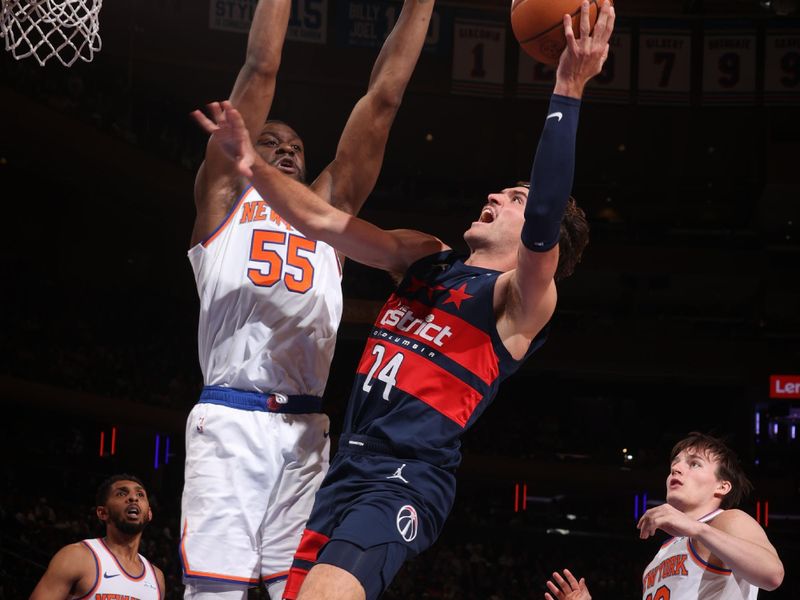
(774, 578)
(386, 98)
(261, 68)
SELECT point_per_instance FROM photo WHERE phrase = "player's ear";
(149, 514)
(723, 487)
(102, 513)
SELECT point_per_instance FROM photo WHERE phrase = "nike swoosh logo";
(107, 576)
(557, 115)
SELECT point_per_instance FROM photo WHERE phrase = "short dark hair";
(104, 490)
(728, 467)
(573, 237)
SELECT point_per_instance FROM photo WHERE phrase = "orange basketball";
(539, 29)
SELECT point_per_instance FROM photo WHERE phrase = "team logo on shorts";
(274, 402)
(407, 522)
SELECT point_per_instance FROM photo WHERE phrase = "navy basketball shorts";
(372, 513)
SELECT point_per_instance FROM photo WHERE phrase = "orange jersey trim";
(703, 564)
(189, 572)
(96, 583)
(121, 568)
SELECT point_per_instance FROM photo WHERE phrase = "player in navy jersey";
(441, 345)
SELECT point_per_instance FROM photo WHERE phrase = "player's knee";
(329, 582)
(366, 572)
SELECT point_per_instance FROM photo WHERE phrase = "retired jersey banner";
(665, 59)
(729, 64)
(308, 21)
(479, 49)
(367, 24)
(534, 79)
(782, 65)
(231, 16)
(613, 84)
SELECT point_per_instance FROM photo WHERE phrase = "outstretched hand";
(227, 128)
(568, 588)
(583, 58)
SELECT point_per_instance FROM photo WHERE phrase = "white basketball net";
(65, 29)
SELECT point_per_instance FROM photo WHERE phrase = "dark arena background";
(684, 315)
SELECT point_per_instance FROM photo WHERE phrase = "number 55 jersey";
(270, 303)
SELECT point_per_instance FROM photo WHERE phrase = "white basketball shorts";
(250, 481)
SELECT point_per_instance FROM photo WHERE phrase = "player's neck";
(488, 259)
(124, 546)
(699, 511)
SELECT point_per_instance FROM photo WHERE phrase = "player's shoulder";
(159, 577)
(737, 522)
(76, 555)
(730, 516)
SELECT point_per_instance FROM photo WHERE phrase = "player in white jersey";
(717, 551)
(109, 567)
(270, 304)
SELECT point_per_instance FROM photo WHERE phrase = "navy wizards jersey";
(433, 362)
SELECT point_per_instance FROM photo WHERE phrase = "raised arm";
(530, 297)
(218, 184)
(355, 238)
(348, 180)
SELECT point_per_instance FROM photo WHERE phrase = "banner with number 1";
(479, 49)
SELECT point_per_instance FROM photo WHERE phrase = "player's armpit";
(525, 300)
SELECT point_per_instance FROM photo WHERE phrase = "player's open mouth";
(286, 165)
(673, 483)
(487, 215)
(133, 511)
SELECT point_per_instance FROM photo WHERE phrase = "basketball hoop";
(65, 29)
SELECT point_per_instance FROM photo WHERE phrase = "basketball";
(539, 28)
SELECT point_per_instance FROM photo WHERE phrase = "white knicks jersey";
(270, 303)
(678, 573)
(113, 582)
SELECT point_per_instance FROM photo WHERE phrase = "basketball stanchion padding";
(64, 29)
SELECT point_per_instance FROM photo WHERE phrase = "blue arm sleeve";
(551, 175)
